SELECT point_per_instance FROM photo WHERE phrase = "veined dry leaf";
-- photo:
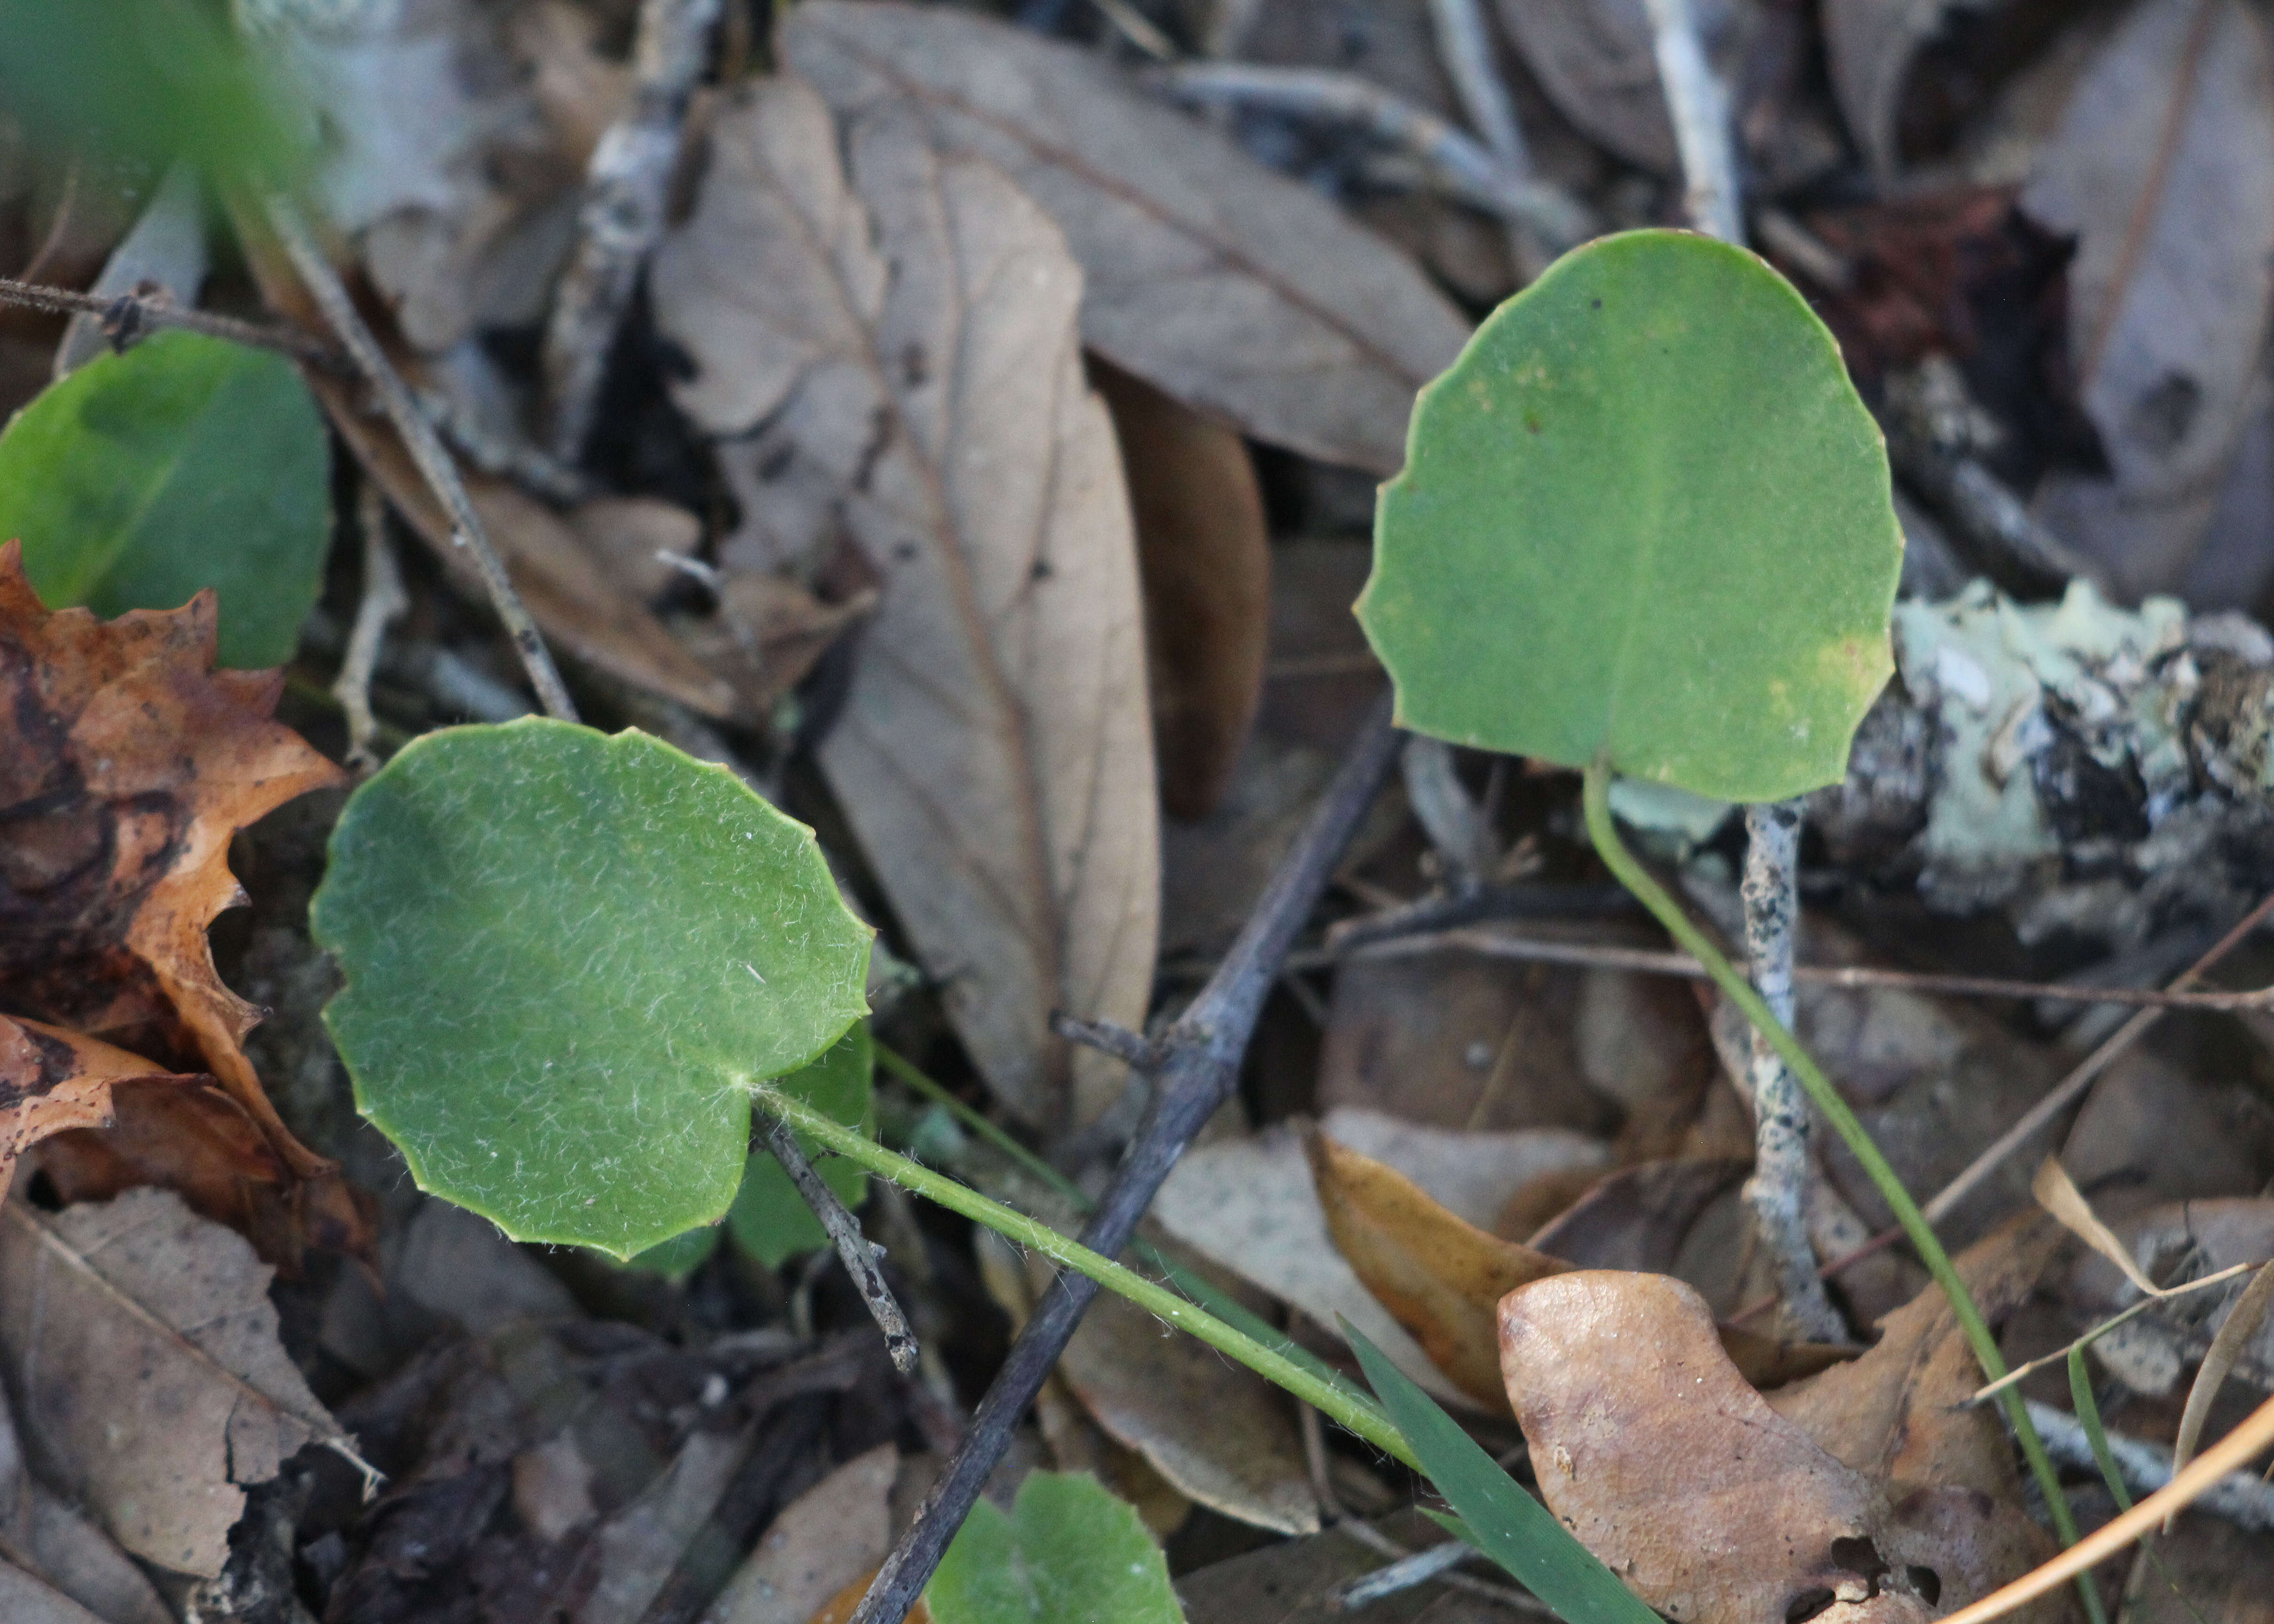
(1244, 295)
(143, 761)
(52, 1080)
(1441, 1278)
(1205, 556)
(2163, 171)
(1869, 45)
(1712, 1507)
(908, 326)
(1473, 1175)
(837, 1532)
(1899, 1412)
(141, 1345)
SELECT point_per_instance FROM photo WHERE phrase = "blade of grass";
(1332, 1399)
(1220, 1303)
(1604, 833)
(1502, 1520)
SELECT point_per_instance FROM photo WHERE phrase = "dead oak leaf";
(52, 1080)
(1713, 1508)
(126, 763)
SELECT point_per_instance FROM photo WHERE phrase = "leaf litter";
(984, 477)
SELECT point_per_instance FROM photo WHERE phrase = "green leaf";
(1643, 513)
(186, 462)
(1502, 1521)
(1069, 1554)
(769, 1219)
(568, 959)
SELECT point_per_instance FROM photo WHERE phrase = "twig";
(1453, 159)
(2241, 1499)
(860, 1258)
(1199, 1069)
(383, 601)
(1648, 961)
(1991, 1390)
(625, 190)
(1465, 45)
(1699, 109)
(128, 316)
(1133, 1049)
(1419, 1567)
(1777, 1193)
(1455, 825)
(425, 449)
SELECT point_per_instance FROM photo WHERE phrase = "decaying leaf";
(141, 1345)
(2057, 1194)
(1439, 1276)
(1869, 45)
(143, 761)
(1205, 555)
(1595, 58)
(52, 1080)
(904, 326)
(834, 1534)
(2163, 171)
(1473, 1175)
(1243, 294)
(1711, 1506)
(50, 1538)
(2149, 1354)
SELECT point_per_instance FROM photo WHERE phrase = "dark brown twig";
(127, 316)
(1133, 1049)
(853, 1247)
(1199, 1067)
(426, 449)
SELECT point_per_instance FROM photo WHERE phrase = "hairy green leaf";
(1502, 1521)
(1646, 515)
(185, 463)
(1068, 1551)
(568, 957)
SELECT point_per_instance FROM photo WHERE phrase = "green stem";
(1222, 1304)
(1333, 1401)
(1652, 895)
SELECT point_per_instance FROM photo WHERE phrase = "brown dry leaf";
(2148, 1354)
(1250, 1206)
(1679, 1218)
(49, 1539)
(1712, 1507)
(2058, 1195)
(835, 1534)
(2217, 1572)
(842, 1606)
(1242, 294)
(142, 1346)
(1440, 1277)
(1900, 1410)
(2243, 1322)
(145, 761)
(52, 1080)
(908, 328)
(1205, 556)
(1595, 60)
(26, 1600)
(2163, 171)
(1869, 45)
(1473, 1175)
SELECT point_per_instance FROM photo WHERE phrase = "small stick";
(1453, 159)
(1465, 45)
(853, 1246)
(1133, 1049)
(1777, 1193)
(1402, 1574)
(425, 448)
(128, 315)
(626, 187)
(2242, 1498)
(1647, 961)
(383, 601)
(1699, 108)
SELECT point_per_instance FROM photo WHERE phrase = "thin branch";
(383, 601)
(1465, 45)
(1133, 1049)
(626, 187)
(2241, 1499)
(425, 449)
(1648, 961)
(1200, 1068)
(1699, 109)
(860, 1258)
(1777, 1193)
(1453, 159)
(128, 316)
(1456, 824)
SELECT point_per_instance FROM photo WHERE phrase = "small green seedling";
(1646, 527)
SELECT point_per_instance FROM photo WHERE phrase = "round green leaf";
(568, 956)
(186, 462)
(1068, 1551)
(1643, 513)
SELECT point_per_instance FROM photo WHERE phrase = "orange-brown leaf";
(128, 762)
(52, 1080)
